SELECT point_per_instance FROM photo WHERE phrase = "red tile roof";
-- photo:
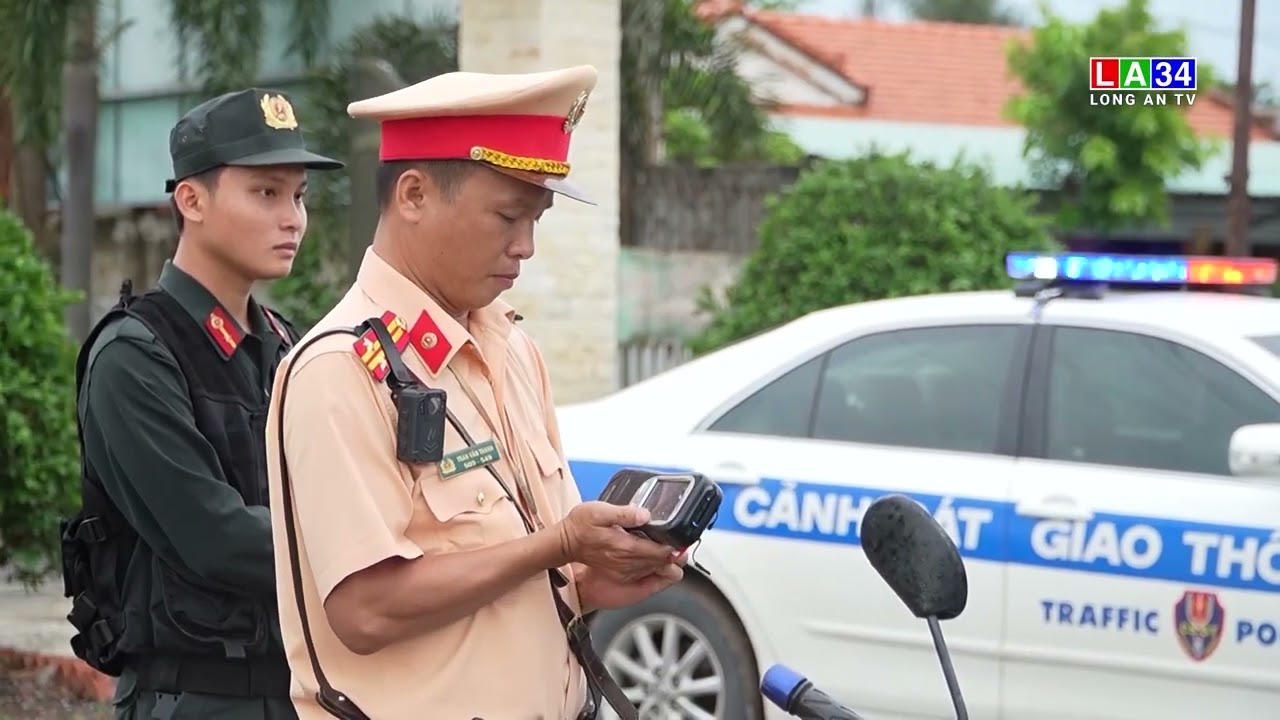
(929, 72)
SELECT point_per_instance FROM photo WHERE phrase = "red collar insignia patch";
(432, 345)
(224, 331)
(370, 350)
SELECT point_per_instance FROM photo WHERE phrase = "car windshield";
(1270, 342)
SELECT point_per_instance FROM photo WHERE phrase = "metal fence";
(641, 358)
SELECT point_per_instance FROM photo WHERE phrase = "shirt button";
(480, 498)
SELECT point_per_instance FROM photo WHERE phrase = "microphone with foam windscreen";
(798, 697)
(918, 560)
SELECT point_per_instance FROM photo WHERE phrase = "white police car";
(1107, 462)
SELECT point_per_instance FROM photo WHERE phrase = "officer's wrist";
(550, 548)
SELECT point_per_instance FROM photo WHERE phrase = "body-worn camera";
(681, 506)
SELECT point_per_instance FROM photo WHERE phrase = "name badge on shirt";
(470, 458)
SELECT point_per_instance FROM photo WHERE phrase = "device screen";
(664, 499)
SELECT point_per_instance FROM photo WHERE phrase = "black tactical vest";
(166, 610)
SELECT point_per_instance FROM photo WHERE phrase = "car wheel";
(680, 655)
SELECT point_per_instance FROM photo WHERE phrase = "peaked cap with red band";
(518, 124)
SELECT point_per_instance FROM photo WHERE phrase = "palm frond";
(415, 50)
(309, 29)
(226, 37)
(32, 50)
(700, 76)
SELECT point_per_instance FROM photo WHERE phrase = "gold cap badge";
(278, 113)
(575, 113)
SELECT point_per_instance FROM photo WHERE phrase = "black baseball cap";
(249, 128)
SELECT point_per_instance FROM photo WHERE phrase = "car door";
(1140, 569)
(926, 411)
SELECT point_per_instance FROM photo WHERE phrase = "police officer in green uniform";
(169, 563)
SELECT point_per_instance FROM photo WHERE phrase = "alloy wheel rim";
(667, 669)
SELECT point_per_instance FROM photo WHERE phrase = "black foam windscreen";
(915, 557)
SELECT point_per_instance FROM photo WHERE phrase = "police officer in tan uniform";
(426, 586)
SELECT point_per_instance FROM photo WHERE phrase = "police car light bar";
(1141, 269)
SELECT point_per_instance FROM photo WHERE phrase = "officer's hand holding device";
(681, 506)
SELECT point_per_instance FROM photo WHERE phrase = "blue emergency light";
(1141, 269)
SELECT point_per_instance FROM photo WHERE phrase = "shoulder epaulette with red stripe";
(370, 350)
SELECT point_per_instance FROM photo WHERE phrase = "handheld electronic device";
(681, 506)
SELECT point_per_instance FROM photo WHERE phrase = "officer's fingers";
(625, 516)
(671, 574)
(644, 550)
(628, 553)
(661, 579)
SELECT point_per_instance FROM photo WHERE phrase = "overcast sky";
(1212, 26)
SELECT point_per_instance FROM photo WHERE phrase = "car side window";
(782, 408)
(937, 387)
(1119, 398)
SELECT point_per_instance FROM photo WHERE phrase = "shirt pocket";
(550, 468)
(461, 509)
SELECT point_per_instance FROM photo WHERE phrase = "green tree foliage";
(416, 50)
(710, 114)
(39, 462)
(870, 228)
(689, 138)
(975, 12)
(225, 38)
(31, 57)
(1112, 162)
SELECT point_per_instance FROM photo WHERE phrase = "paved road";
(35, 621)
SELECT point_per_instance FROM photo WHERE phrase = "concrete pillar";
(568, 293)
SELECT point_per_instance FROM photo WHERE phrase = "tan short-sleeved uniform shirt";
(356, 505)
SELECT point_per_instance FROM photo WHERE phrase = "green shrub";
(874, 227)
(39, 450)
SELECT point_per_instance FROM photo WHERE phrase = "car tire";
(702, 623)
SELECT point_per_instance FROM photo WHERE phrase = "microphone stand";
(948, 671)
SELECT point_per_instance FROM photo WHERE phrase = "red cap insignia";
(431, 343)
(370, 350)
(223, 330)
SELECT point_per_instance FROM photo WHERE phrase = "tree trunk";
(369, 77)
(642, 135)
(29, 195)
(6, 148)
(80, 129)
(645, 26)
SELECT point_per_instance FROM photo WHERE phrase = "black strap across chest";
(577, 631)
